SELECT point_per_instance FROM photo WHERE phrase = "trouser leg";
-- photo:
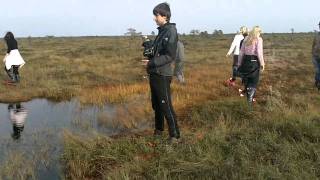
(10, 73)
(252, 83)
(235, 67)
(161, 88)
(159, 117)
(16, 73)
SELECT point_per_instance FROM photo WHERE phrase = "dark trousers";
(316, 63)
(162, 105)
(250, 71)
(251, 81)
(13, 73)
(235, 67)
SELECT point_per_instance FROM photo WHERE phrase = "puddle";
(33, 130)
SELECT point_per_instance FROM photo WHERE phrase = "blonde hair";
(243, 30)
(253, 36)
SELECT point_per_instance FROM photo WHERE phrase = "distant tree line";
(194, 32)
(132, 32)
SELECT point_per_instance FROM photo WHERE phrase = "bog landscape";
(89, 114)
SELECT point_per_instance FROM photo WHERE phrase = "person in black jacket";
(159, 68)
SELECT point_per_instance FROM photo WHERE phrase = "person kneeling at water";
(13, 60)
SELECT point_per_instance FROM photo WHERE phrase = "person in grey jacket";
(159, 68)
(178, 68)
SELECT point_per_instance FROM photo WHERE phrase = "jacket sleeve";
(180, 52)
(260, 51)
(233, 45)
(241, 54)
(170, 49)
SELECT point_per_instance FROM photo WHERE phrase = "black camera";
(148, 48)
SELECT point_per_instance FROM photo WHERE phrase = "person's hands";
(262, 68)
(144, 62)
(227, 55)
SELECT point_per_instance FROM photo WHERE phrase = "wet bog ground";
(32, 131)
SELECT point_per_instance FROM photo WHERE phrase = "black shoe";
(174, 140)
(157, 132)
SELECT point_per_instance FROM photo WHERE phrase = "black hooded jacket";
(164, 48)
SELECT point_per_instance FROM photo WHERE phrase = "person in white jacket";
(13, 60)
(235, 50)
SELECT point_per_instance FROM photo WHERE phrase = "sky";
(113, 17)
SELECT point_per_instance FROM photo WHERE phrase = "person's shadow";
(17, 116)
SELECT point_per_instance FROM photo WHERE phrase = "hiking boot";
(174, 140)
(250, 94)
(157, 133)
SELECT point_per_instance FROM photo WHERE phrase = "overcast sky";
(113, 17)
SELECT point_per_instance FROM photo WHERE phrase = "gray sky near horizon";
(114, 17)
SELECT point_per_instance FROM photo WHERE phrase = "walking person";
(159, 68)
(251, 62)
(316, 58)
(13, 60)
(235, 50)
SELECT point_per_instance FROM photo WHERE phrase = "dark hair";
(9, 35)
(163, 9)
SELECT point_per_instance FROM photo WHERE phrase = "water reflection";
(37, 127)
(17, 116)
